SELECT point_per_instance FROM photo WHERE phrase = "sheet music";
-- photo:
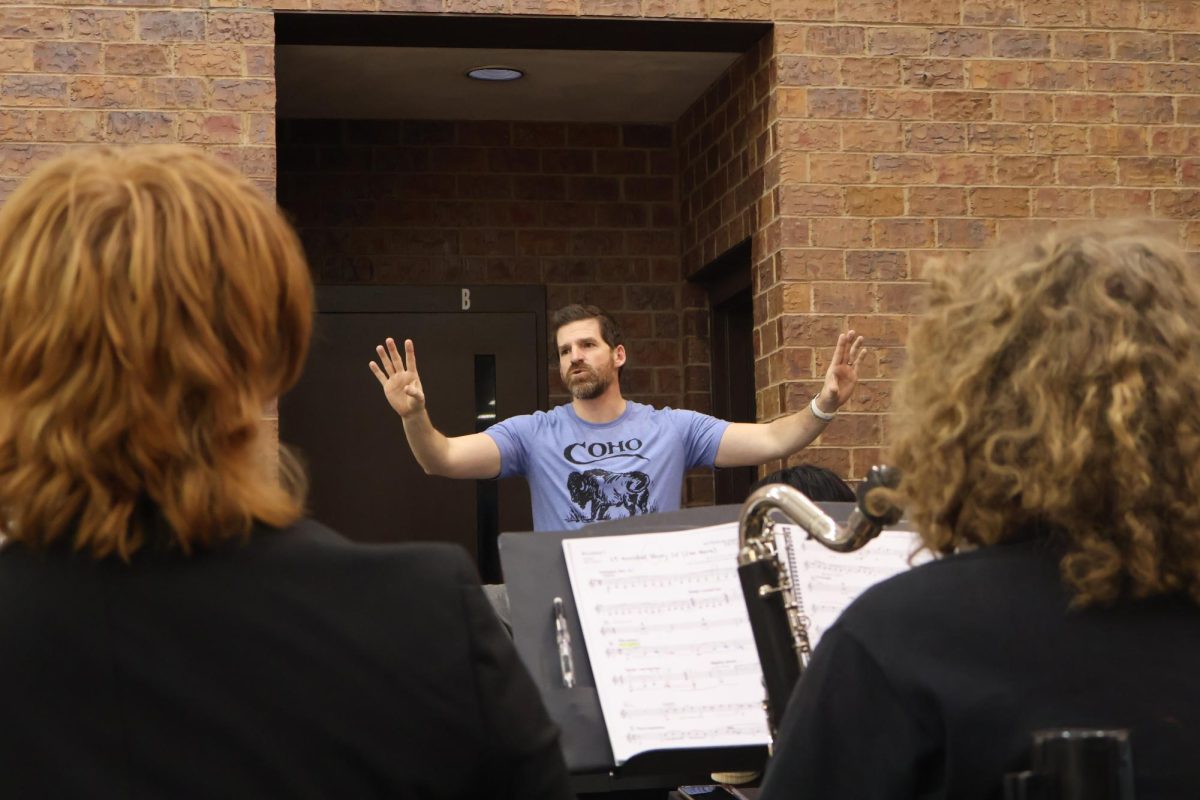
(669, 639)
(829, 581)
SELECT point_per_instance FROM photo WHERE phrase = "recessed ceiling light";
(495, 73)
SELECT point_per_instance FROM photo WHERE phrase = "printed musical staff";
(701, 624)
(827, 582)
(673, 712)
(669, 640)
(688, 678)
(635, 649)
(619, 583)
(695, 603)
(666, 628)
(694, 737)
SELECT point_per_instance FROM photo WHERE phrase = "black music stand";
(535, 573)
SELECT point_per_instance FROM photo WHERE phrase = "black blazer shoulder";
(293, 663)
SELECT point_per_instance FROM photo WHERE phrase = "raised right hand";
(401, 385)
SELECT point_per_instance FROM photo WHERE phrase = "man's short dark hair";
(610, 331)
(818, 484)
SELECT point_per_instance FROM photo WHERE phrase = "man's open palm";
(842, 375)
(401, 384)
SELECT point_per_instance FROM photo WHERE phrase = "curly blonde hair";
(1056, 382)
(152, 300)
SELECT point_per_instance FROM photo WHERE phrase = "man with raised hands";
(601, 456)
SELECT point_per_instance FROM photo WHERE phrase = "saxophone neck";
(862, 526)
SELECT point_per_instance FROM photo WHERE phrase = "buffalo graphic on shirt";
(598, 491)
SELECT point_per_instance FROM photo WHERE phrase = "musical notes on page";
(688, 737)
(826, 582)
(670, 712)
(669, 639)
(643, 626)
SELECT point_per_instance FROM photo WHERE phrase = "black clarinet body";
(776, 615)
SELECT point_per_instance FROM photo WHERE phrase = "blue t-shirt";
(580, 472)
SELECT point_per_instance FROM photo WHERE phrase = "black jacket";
(292, 665)
(931, 684)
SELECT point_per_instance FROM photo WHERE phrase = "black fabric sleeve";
(526, 761)
(847, 733)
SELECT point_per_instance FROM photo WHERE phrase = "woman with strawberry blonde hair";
(171, 625)
(1048, 431)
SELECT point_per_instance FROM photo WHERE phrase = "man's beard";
(588, 385)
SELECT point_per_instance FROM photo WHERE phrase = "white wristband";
(818, 413)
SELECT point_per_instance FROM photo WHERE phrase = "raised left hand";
(842, 375)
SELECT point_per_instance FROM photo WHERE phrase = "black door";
(730, 297)
(483, 363)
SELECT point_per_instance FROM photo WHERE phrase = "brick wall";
(725, 156)
(72, 74)
(589, 210)
(927, 128)
(901, 131)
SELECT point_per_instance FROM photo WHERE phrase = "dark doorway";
(478, 364)
(730, 298)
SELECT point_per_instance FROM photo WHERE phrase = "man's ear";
(619, 355)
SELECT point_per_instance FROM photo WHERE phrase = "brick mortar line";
(975, 26)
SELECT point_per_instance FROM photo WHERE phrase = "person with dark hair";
(1047, 427)
(600, 456)
(171, 625)
(819, 484)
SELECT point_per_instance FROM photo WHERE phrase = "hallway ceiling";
(396, 66)
(355, 82)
